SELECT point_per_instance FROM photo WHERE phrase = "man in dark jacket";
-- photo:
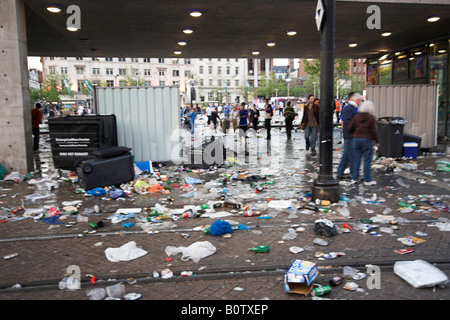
(254, 116)
(289, 116)
(347, 115)
(36, 117)
(310, 122)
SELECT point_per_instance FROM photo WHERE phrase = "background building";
(200, 80)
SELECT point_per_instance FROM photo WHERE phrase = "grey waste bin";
(390, 136)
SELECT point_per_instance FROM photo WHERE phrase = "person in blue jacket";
(192, 115)
(347, 115)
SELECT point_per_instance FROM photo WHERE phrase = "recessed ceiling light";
(442, 51)
(418, 53)
(72, 29)
(386, 34)
(178, 52)
(433, 18)
(182, 43)
(54, 8)
(188, 30)
(195, 13)
(291, 32)
(384, 57)
(271, 43)
(352, 44)
(255, 52)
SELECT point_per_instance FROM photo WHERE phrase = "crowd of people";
(356, 117)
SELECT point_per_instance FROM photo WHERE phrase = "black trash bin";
(390, 136)
(112, 166)
(75, 138)
(210, 153)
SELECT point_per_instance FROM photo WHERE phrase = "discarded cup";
(116, 291)
(97, 294)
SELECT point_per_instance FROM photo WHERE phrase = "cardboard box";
(300, 277)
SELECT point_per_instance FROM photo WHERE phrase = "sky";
(34, 63)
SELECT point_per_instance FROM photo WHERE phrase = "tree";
(35, 95)
(272, 86)
(341, 68)
(53, 87)
(132, 78)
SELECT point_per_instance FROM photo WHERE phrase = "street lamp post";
(326, 187)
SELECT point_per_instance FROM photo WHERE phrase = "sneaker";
(370, 183)
(313, 153)
(354, 182)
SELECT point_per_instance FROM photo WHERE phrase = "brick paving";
(232, 273)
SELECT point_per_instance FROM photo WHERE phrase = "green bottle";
(260, 249)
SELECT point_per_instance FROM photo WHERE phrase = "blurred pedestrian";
(214, 116)
(192, 114)
(254, 116)
(244, 121)
(337, 110)
(234, 117)
(289, 116)
(347, 115)
(310, 123)
(268, 114)
(36, 118)
(363, 130)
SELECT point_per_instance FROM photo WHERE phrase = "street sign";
(320, 11)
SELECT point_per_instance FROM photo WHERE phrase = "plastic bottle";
(262, 249)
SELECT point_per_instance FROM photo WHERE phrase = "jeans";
(288, 123)
(36, 133)
(268, 125)
(362, 147)
(192, 126)
(311, 138)
(346, 159)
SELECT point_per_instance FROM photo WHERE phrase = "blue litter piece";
(219, 228)
(96, 192)
(190, 180)
(127, 224)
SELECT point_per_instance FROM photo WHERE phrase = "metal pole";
(326, 187)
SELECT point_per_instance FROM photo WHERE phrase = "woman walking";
(363, 130)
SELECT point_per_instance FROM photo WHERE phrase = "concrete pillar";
(16, 151)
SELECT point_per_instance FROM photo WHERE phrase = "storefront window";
(385, 74)
(400, 70)
(418, 64)
(372, 73)
(439, 72)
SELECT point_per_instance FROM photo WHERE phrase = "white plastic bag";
(195, 251)
(420, 274)
(127, 252)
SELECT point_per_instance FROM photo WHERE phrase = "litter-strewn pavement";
(226, 233)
